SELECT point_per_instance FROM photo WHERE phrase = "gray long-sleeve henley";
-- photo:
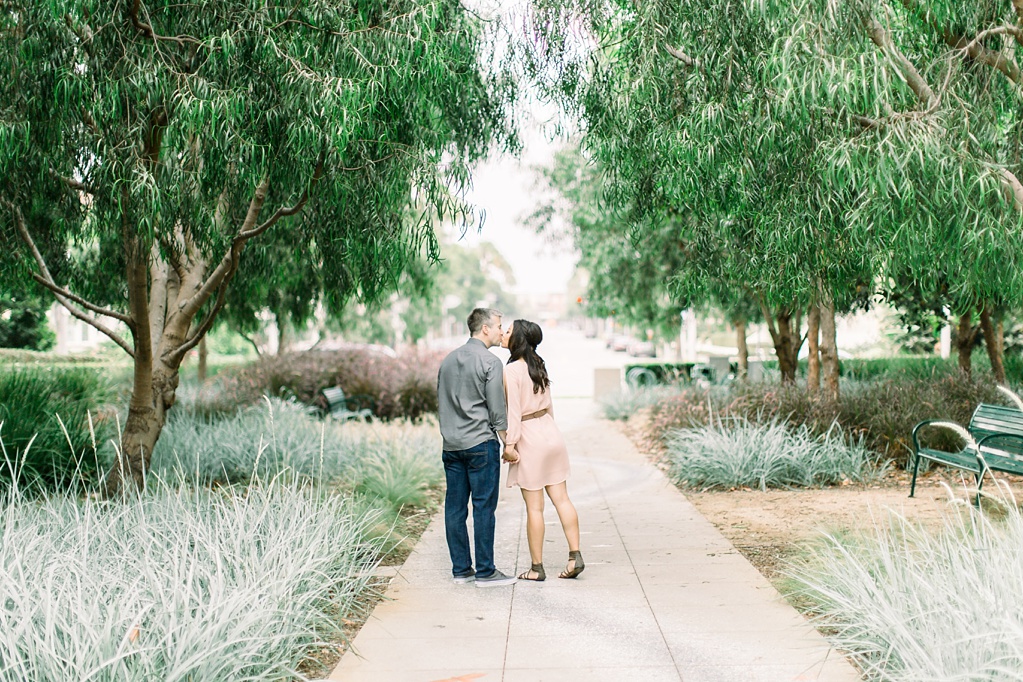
(470, 396)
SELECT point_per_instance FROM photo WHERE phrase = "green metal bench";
(338, 405)
(997, 434)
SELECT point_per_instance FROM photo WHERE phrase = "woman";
(535, 448)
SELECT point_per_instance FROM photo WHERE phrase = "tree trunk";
(829, 348)
(1000, 335)
(786, 340)
(785, 348)
(202, 360)
(965, 335)
(813, 367)
(991, 344)
(740, 342)
(281, 320)
(166, 290)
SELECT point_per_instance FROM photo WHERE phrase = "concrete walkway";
(664, 595)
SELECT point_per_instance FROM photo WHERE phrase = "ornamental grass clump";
(914, 604)
(735, 452)
(50, 420)
(284, 437)
(178, 584)
(402, 471)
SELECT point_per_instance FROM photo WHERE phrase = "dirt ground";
(769, 527)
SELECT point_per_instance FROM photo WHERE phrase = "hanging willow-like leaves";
(148, 147)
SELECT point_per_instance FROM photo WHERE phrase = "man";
(470, 392)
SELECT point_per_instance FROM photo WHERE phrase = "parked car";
(643, 349)
(619, 343)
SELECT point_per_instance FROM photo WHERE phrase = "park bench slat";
(998, 432)
(337, 404)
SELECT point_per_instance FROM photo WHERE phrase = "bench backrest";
(991, 419)
(335, 398)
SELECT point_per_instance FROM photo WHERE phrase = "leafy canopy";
(133, 126)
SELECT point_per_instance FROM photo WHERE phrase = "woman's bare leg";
(534, 524)
(566, 512)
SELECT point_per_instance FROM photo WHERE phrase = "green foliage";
(736, 453)
(698, 161)
(162, 161)
(23, 323)
(909, 603)
(629, 274)
(167, 131)
(54, 422)
(932, 131)
(430, 294)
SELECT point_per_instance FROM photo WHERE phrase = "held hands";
(510, 454)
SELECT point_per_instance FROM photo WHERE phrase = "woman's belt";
(534, 415)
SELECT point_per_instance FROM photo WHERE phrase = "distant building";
(75, 336)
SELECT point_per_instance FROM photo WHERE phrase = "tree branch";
(192, 305)
(1017, 5)
(983, 55)
(72, 183)
(290, 210)
(47, 280)
(973, 48)
(147, 30)
(1014, 31)
(61, 291)
(768, 318)
(1013, 188)
(917, 83)
(682, 57)
(222, 275)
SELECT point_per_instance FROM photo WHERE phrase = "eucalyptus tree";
(931, 96)
(677, 108)
(158, 142)
(629, 273)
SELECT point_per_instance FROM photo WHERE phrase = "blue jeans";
(474, 473)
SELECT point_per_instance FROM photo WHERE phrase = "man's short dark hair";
(479, 317)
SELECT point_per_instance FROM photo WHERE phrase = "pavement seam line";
(511, 606)
(642, 587)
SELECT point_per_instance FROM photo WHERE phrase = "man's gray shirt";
(470, 396)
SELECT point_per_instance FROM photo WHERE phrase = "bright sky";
(504, 188)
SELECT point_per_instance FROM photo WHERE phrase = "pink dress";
(543, 457)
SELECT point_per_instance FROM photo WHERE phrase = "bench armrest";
(939, 423)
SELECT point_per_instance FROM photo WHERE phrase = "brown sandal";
(534, 568)
(577, 567)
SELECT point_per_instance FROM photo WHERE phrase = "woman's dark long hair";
(522, 343)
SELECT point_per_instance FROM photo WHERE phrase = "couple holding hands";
(480, 402)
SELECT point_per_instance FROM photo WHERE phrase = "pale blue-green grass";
(735, 453)
(188, 582)
(911, 604)
(178, 584)
(280, 436)
(402, 470)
